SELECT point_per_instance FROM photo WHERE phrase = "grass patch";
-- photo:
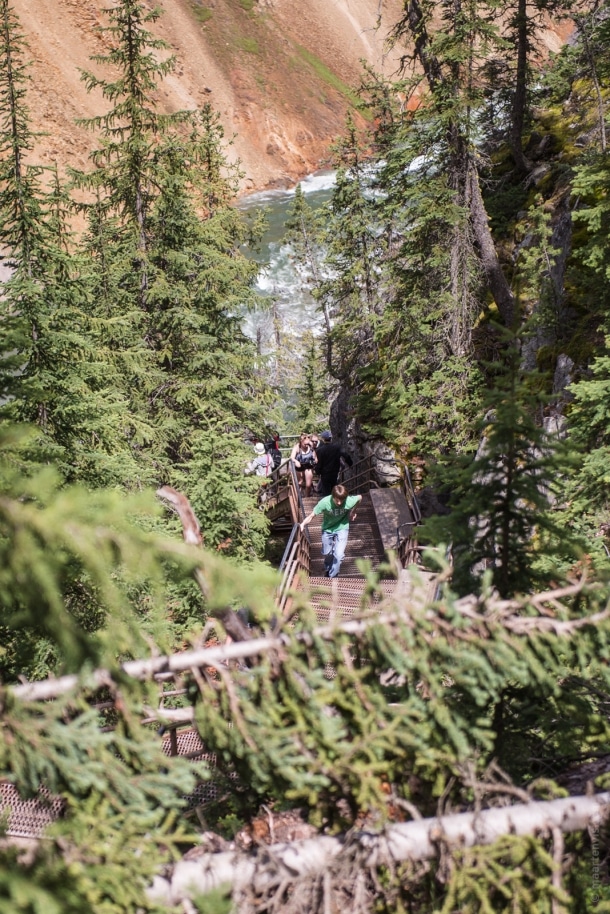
(246, 5)
(249, 45)
(201, 13)
(327, 76)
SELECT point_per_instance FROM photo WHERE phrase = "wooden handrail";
(283, 486)
(409, 492)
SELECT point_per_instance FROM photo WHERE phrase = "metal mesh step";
(28, 818)
(343, 597)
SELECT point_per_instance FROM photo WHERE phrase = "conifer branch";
(502, 613)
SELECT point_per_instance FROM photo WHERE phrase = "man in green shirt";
(338, 509)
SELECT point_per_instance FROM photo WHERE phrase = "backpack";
(272, 449)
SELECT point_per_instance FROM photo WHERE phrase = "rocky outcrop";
(348, 432)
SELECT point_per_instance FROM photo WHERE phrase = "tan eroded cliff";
(275, 73)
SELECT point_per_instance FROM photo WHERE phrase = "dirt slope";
(278, 73)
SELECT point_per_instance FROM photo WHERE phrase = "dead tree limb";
(191, 532)
(414, 841)
(501, 613)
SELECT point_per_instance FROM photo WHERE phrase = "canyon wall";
(278, 72)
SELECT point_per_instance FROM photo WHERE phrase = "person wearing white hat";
(262, 464)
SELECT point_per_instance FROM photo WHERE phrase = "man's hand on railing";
(306, 521)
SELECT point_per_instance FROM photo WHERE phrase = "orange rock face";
(277, 71)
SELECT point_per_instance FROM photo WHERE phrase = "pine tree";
(119, 326)
(353, 248)
(310, 390)
(586, 66)
(452, 50)
(129, 130)
(201, 284)
(424, 383)
(167, 245)
(588, 491)
(123, 187)
(53, 372)
(501, 506)
(525, 23)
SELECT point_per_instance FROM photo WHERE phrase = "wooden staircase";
(385, 520)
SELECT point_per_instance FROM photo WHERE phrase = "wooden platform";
(391, 510)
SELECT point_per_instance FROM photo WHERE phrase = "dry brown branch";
(558, 847)
(199, 679)
(524, 625)
(482, 788)
(236, 715)
(347, 659)
(180, 503)
(191, 533)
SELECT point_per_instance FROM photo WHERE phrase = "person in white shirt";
(262, 465)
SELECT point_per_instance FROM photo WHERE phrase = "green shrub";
(201, 13)
(249, 45)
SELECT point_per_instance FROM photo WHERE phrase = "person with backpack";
(262, 464)
(329, 457)
(271, 447)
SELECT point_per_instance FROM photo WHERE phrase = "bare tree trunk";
(460, 329)
(520, 93)
(417, 28)
(496, 280)
(414, 24)
(141, 219)
(593, 73)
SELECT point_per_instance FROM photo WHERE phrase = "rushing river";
(291, 308)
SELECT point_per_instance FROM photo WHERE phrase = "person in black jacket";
(329, 457)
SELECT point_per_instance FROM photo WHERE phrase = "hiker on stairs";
(262, 465)
(304, 458)
(330, 458)
(338, 509)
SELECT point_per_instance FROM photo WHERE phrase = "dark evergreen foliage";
(124, 366)
(501, 516)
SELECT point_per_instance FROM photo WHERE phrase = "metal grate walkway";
(374, 531)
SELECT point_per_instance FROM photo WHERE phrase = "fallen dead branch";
(481, 616)
(367, 851)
